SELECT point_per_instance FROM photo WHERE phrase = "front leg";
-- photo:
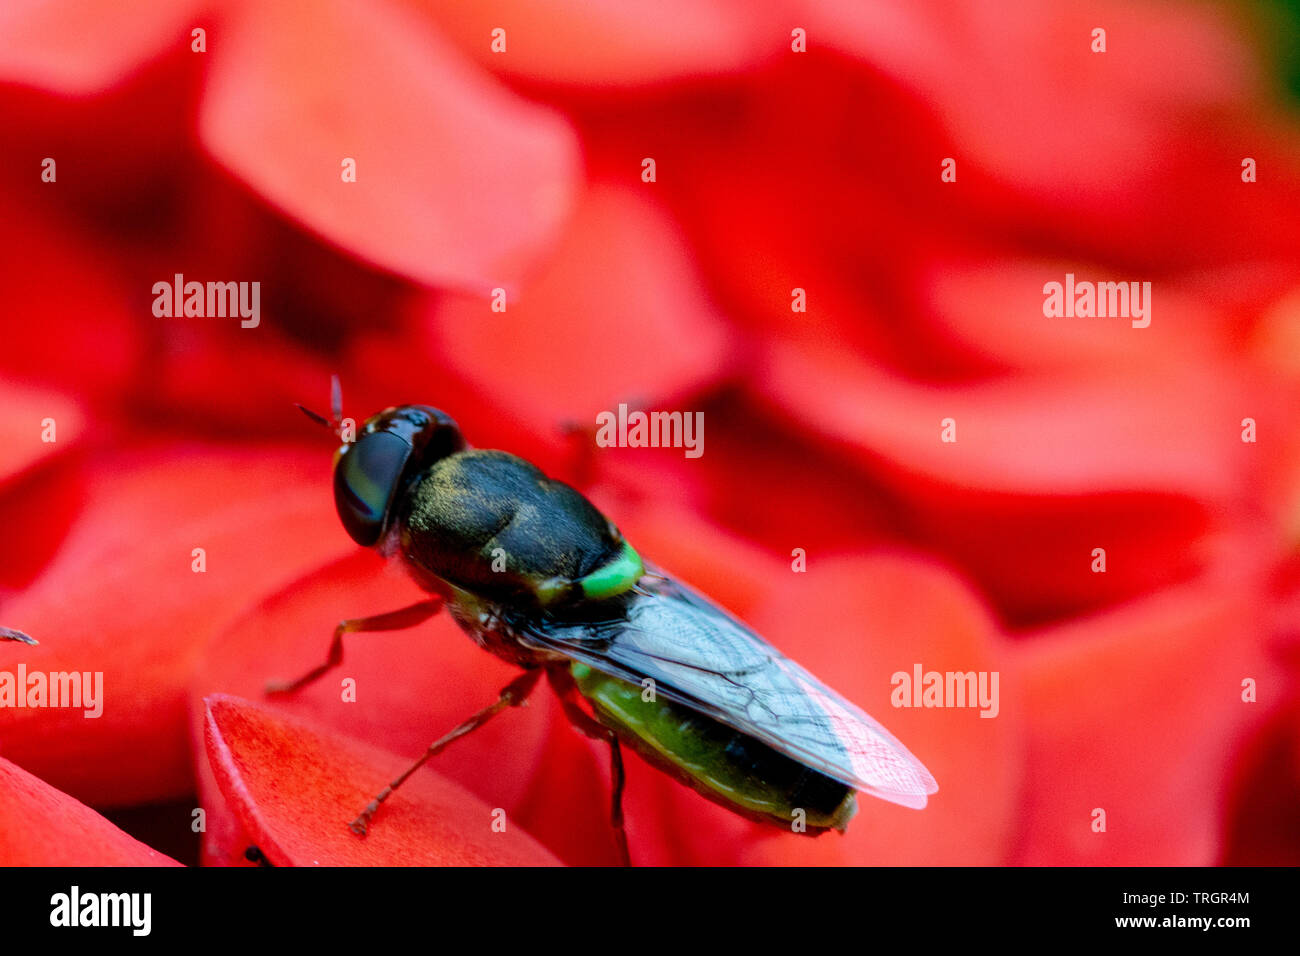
(392, 621)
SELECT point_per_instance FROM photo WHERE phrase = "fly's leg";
(8, 634)
(514, 694)
(616, 800)
(392, 621)
(597, 731)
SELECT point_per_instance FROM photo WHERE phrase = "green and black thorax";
(492, 524)
(483, 522)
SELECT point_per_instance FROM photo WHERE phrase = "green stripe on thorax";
(614, 578)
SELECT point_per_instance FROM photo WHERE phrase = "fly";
(636, 657)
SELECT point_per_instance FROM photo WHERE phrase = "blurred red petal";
(121, 598)
(40, 826)
(619, 44)
(1047, 467)
(59, 45)
(458, 182)
(214, 377)
(1139, 712)
(783, 489)
(618, 314)
(1069, 435)
(79, 336)
(851, 246)
(1264, 825)
(1145, 164)
(40, 481)
(30, 415)
(995, 309)
(1119, 103)
(295, 788)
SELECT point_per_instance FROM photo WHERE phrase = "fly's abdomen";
(730, 768)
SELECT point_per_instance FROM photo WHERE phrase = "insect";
(636, 657)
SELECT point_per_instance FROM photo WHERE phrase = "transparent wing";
(700, 656)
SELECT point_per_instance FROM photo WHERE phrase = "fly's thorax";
(495, 526)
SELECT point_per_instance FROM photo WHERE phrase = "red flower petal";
(1159, 72)
(121, 597)
(22, 428)
(618, 314)
(40, 826)
(995, 309)
(1139, 712)
(40, 486)
(1071, 435)
(458, 182)
(191, 383)
(1046, 468)
(604, 45)
(60, 46)
(295, 788)
(37, 259)
(1264, 826)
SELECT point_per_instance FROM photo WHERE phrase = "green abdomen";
(730, 768)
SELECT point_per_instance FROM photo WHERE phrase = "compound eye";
(365, 479)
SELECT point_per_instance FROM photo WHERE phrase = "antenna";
(336, 408)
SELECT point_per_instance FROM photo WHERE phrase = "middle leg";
(392, 621)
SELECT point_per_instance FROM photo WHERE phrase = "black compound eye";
(365, 479)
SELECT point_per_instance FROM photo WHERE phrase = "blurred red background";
(774, 170)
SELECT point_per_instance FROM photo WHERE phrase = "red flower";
(167, 513)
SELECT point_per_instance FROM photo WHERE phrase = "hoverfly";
(636, 657)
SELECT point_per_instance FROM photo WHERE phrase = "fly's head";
(372, 473)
